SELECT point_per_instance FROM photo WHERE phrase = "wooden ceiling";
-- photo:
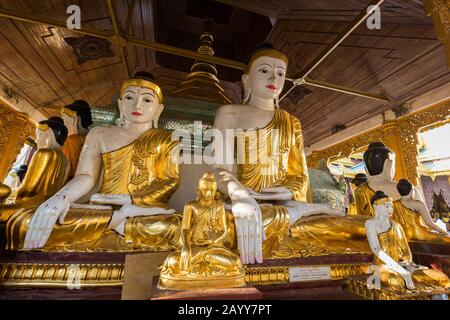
(402, 60)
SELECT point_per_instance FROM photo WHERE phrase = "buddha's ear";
(77, 122)
(245, 81)
(120, 104)
(157, 114)
(246, 84)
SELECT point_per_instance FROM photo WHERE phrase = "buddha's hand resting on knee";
(120, 217)
(249, 228)
(299, 209)
(185, 257)
(274, 193)
(114, 199)
(407, 276)
(44, 219)
(248, 220)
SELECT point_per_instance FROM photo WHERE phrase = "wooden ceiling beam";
(120, 44)
(130, 40)
(129, 20)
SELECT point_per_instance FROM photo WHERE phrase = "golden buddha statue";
(415, 218)
(267, 179)
(138, 173)
(359, 179)
(390, 246)
(409, 207)
(47, 171)
(205, 260)
(77, 118)
(5, 191)
(16, 177)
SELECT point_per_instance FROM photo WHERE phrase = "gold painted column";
(394, 135)
(15, 128)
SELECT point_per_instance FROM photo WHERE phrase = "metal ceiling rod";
(338, 88)
(360, 19)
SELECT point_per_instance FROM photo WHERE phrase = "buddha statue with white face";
(47, 171)
(389, 244)
(269, 193)
(130, 172)
(410, 209)
(77, 118)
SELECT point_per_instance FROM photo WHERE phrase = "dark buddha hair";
(359, 179)
(144, 75)
(83, 110)
(404, 187)
(59, 130)
(261, 46)
(21, 171)
(57, 119)
(377, 196)
(375, 156)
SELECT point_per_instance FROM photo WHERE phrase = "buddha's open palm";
(44, 219)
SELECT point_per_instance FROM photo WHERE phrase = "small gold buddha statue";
(16, 178)
(77, 118)
(205, 260)
(47, 171)
(389, 244)
(131, 169)
(359, 179)
(5, 191)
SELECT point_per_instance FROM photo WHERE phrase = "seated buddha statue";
(266, 175)
(16, 178)
(380, 165)
(77, 118)
(415, 218)
(5, 191)
(132, 168)
(390, 246)
(47, 171)
(359, 179)
(205, 260)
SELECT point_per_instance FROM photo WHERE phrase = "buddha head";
(380, 160)
(358, 180)
(51, 134)
(140, 100)
(21, 171)
(77, 117)
(207, 187)
(382, 204)
(265, 74)
(407, 191)
(404, 187)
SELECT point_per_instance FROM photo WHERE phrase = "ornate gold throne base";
(88, 271)
(358, 286)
